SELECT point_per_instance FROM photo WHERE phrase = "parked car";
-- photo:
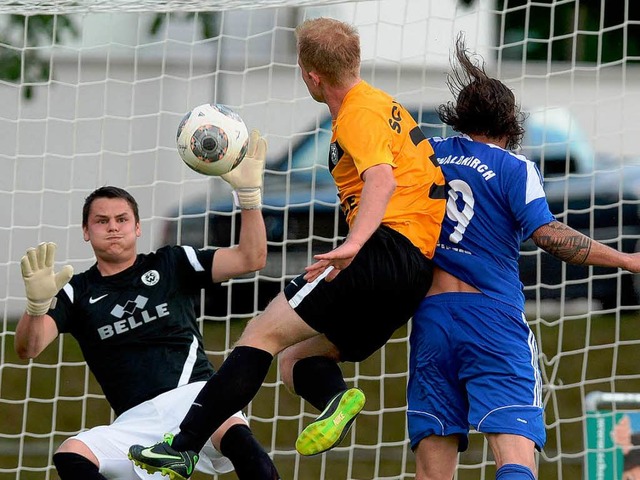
(590, 192)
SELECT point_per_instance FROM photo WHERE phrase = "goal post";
(91, 94)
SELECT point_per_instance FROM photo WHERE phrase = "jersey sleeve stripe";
(534, 185)
(68, 289)
(193, 258)
(417, 135)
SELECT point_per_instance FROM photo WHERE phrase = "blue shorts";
(473, 362)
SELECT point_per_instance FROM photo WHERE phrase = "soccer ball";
(212, 139)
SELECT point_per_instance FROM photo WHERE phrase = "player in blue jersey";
(133, 316)
(474, 360)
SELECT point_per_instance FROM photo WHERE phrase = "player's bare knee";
(71, 445)
(436, 457)
(275, 329)
(512, 449)
(260, 333)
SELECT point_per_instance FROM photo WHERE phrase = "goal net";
(92, 93)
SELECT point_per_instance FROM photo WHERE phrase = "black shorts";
(370, 299)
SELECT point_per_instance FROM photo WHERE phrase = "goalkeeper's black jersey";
(137, 329)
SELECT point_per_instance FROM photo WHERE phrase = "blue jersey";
(494, 201)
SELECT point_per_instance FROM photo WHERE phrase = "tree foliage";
(595, 31)
(579, 30)
(23, 40)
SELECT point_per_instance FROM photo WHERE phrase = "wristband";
(247, 198)
(36, 309)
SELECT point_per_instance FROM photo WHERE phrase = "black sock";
(249, 459)
(228, 391)
(318, 380)
(72, 466)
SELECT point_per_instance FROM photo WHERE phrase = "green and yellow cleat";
(332, 425)
(163, 458)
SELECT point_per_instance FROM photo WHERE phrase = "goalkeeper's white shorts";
(145, 424)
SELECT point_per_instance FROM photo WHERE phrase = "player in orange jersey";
(351, 300)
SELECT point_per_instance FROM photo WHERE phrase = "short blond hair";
(329, 47)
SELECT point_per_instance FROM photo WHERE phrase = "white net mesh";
(30, 7)
(93, 95)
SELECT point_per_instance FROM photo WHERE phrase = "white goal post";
(91, 94)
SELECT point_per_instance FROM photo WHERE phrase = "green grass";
(570, 371)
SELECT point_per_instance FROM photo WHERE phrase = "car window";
(309, 157)
(553, 139)
(314, 149)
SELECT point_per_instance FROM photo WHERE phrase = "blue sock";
(511, 471)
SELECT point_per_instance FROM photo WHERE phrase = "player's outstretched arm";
(246, 179)
(573, 247)
(35, 329)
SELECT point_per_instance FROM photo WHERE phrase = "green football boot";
(332, 425)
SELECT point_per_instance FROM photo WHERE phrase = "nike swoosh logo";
(148, 453)
(94, 300)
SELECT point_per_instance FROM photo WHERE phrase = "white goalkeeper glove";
(40, 282)
(246, 178)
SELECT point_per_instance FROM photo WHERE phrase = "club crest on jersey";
(334, 155)
(151, 278)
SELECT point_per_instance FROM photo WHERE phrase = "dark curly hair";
(483, 105)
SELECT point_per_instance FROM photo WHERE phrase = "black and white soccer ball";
(212, 139)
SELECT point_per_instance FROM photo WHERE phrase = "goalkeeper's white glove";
(40, 282)
(246, 179)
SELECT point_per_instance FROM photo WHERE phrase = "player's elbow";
(258, 260)
(23, 355)
(253, 259)
(25, 351)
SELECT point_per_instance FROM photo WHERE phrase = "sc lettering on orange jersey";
(396, 118)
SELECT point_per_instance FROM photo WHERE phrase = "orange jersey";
(372, 129)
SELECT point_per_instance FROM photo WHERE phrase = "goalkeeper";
(474, 360)
(133, 316)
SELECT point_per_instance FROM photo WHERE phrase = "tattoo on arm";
(563, 242)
